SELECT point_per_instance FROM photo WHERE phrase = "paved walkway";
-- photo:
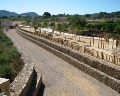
(59, 77)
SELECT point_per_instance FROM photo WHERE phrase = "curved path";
(59, 77)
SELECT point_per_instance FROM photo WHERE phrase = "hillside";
(29, 14)
(9, 14)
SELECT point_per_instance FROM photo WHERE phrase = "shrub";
(9, 43)
(10, 59)
(13, 53)
(4, 58)
(7, 72)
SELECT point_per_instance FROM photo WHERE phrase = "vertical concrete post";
(102, 56)
(113, 44)
(101, 42)
(114, 59)
(83, 49)
(93, 40)
(90, 41)
(98, 42)
(97, 54)
(106, 57)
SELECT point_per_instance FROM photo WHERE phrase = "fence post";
(102, 55)
(92, 51)
(114, 59)
(83, 49)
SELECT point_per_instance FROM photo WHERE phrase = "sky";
(60, 6)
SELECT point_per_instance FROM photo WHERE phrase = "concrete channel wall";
(100, 70)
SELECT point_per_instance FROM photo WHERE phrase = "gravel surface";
(59, 77)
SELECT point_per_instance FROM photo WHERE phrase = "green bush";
(4, 59)
(9, 43)
(13, 53)
(7, 72)
(7, 40)
(10, 59)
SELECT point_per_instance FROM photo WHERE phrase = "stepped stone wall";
(22, 82)
(100, 70)
(38, 85)
(108, 68)
(21, 85)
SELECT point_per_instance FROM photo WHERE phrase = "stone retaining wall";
(21, 84)
(38, 85)
(105, 73)
(108, 68)
(111, 58)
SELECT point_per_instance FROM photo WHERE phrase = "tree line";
(77, 24)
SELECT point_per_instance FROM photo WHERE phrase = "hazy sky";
(60, 6)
